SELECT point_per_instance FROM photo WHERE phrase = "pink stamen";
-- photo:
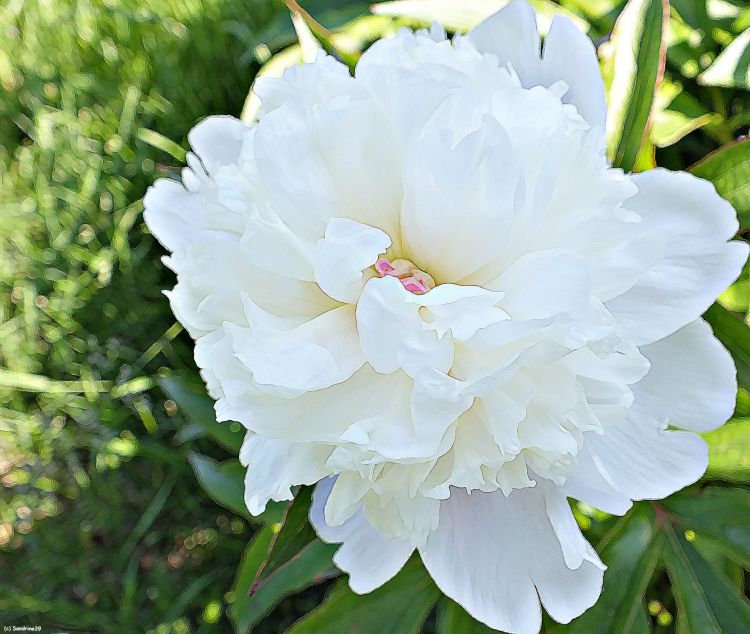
(414, 280)
(414, 285)
(384, 267)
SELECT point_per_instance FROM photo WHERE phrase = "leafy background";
(121, 506)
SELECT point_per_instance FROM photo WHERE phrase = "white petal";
(544, 283)
(569, 55)
(695, 263)
(314, 355)
(274, 466)
(512, 35)
(586, 483)
(213, 275)
(391, 332)
(312, 170)
(574, 546)
(369, 558)
(646, 462)
(323, 415)
(178, 216)
(341, 257)
(461, 309)
(692, 381)
(218, 140)
(308, 84)
(493, 554)
(459, 199)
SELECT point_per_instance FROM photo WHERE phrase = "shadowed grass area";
(102, 525)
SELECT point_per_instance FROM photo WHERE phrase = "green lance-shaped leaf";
(728, 168)
(719, 513)
(398, 607)
(452, 618)
(324, 37)
(248, 608)
(676, 113)
(637, 65)
(735, 335)
(198, 407)
(731, 69)
(708, 601)
(292, 539)
(631, 551)
(223, 481)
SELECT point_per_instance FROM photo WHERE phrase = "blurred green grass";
(101, 523)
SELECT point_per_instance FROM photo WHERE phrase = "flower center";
(413, 279)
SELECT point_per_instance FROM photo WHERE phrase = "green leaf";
(708, 601)
(637, 66)
(676, 114)
(324, 37)
(452, 619)
(294, 536)
(198, 407)
(735, 335)
(247, 609)
(728, 168)
(224, 482)
(398, 607)
(731, 69)
(721, 513)
(630, 551)
(729, 452)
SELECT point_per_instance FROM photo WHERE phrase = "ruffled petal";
(391, 332)
(218, 140)
(461, 309)
(314, 355)
(275, 466)
(369, 558)
(341, 257)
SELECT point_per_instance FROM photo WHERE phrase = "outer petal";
(695, 263)
(368, 557)
(341, 257)
(692, 381)
(179, 214)
(512, 35)
(586, 483)
(218, 141)
(274, 466)
(569, 55)
(307, 84)
(643, 461)
(493, 554)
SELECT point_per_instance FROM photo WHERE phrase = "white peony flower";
(424, 288)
